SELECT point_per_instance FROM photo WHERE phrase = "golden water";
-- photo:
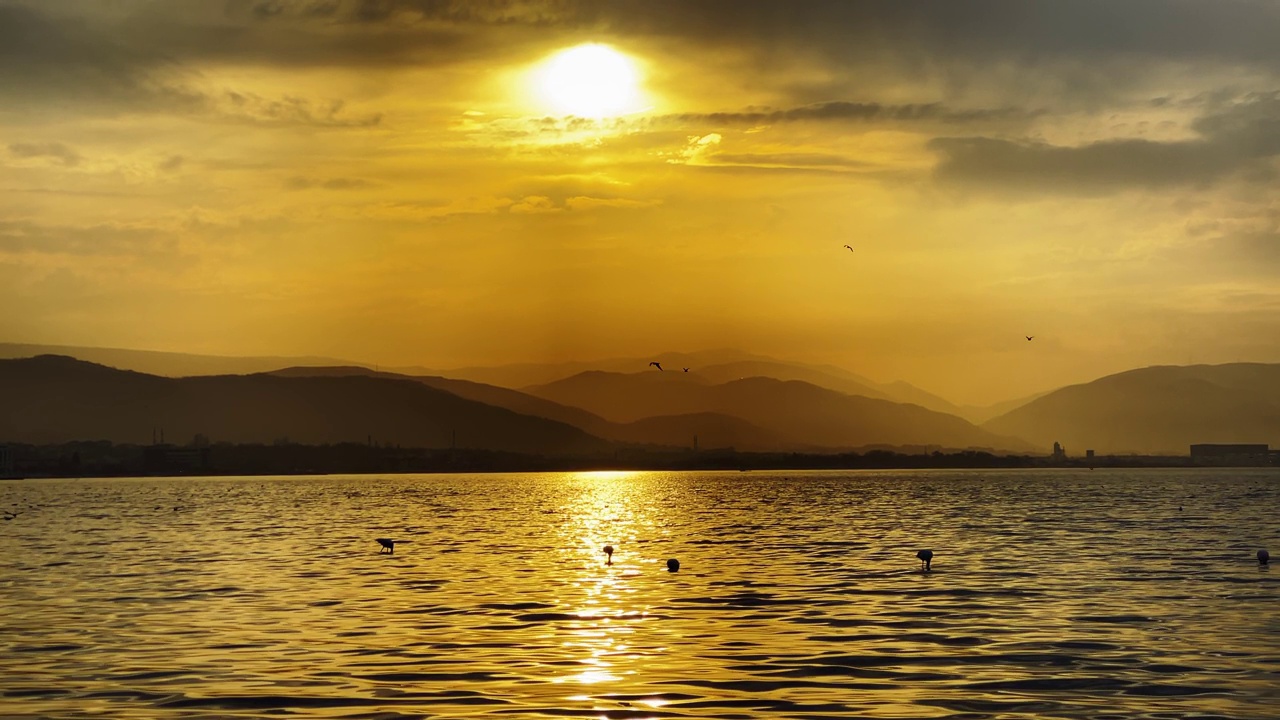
(1053, 594)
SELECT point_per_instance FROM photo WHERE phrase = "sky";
(433, 183)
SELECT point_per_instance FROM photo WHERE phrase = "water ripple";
(1054, 594)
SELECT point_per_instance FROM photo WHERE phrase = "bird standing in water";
(387, 544)
(608, 550)
(1264, 557)
(926, 559)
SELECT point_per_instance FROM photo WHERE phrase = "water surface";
(1103, 594)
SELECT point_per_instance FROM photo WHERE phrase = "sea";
(1051, 594)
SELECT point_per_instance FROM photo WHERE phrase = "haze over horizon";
(438, 184)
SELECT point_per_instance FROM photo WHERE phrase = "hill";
(801, 414)
(165, 363)
(1160, 409)
(50, 399)
(712, 430)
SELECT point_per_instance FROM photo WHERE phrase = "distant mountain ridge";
(50, 399)
(802, 414)
(1160, 409)
(169, 364)
(712, 430)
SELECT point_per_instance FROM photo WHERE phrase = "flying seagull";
(686, 369)
(850, 248)
(1029, 337)
(656, 364)
(387, 545)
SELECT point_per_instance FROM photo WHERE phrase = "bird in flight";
(850, 248)
(1029, 337)
(656, 364)
(686, 369)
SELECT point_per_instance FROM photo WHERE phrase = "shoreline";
(104, 460)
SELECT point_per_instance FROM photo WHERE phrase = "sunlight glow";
(589, 81)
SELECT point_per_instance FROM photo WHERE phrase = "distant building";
(1230, 454)
(171, 459)
(6, 461)
(1088, 454)
(1059, 453)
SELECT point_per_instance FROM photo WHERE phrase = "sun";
(590, 81)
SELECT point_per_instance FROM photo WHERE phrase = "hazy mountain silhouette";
(778, 370)
(519, 375)
(979, 414)
(712, 430)
(513, 400)
(800, 413)
(51, 399)
(1155, 409)
(166, 363)
(716, 366)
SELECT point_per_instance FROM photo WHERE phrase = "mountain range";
(726, 399)
(1162, 409)
(52, 399)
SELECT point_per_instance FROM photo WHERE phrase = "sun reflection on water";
(606, 508)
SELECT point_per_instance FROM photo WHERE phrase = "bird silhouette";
(387, 545)
(1264, 557)
(1029, 337)
(850, 249)
(608, 550)
(656, 364)
(673, 565)
(926, 559)
(686, 369)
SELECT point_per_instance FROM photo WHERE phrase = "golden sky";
(394, 181)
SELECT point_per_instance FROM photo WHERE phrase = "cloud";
(340, 183)
(55, 150)
(592, 203)
(103, 239)
(824, 162)
(696, 149)
(534, 204)
(1242, 136)
(838, 111)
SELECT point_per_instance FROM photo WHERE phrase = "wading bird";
(926, 559)
(608, 550)
(656, 364)
(1264, 557)
(387, 544)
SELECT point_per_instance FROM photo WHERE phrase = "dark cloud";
(1026, 31)
(1241, 137)
(913, 35)
(54, 150)
(72, 63)
(287, 111)
(341, 183)
(21, 237)
(849, 111)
